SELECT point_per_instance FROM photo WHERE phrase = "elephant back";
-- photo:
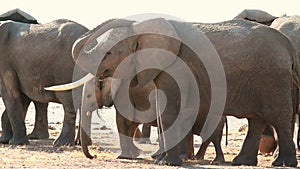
(290, 26)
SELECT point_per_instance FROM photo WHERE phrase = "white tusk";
(72, 85)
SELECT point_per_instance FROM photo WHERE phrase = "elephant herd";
(184, 78)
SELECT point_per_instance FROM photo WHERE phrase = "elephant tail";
(226, 130)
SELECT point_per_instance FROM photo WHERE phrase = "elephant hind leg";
(14, 105)
(216, 139)
(67, 135)
(40, 130)
(248, 153)
(287, 152)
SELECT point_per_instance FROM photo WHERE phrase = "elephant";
(257, 62)
(40, 130)
(288, 25)
(26, 70)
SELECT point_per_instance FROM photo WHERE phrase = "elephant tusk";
(72, 85)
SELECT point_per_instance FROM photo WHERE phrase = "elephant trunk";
(85, 131)
(85, 52)
(86, 116)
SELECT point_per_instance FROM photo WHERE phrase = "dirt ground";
(41, 153)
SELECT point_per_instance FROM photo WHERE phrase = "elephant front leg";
(171, 137)
(126, 129)
(248, 153)
(146, 130)
(40, 130)
(67, 135)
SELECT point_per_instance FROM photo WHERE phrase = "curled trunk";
(85, 133)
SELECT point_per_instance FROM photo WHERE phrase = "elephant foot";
(289, 161)
(132, 154)
(19, 141)
(244, 160)
(4, 139)
(158, 152)
(169, 160)
(64, 141)
(189, 156)
(218, 161)
(78, 142)
(199, 157)
(38, 134)
(144, 141)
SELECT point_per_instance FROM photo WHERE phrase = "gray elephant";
(288, 25)
(43, 58)
(257, 62)
(40, 130)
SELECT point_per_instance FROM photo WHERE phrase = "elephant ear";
(154, 34)
(84, 50)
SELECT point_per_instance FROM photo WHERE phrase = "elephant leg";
(77, 139)
(216, 140)
(40, 130)
(67, 135)
(14, 111)
(126, 131)
(201, 152)
(159, 154)
(248, 153)
(6, 126)
(146, 130)
(187, 147)
(7, 132)
(287, 153)
(172, 149)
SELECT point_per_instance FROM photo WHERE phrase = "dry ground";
(41, 153)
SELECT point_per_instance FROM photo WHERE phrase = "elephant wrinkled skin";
(34, 56)
(257, 61)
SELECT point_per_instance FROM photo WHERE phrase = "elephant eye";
(89, 96)
(136, 46)
(108, 53)
(101, 85)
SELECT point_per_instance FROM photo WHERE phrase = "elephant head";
(102, 50)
